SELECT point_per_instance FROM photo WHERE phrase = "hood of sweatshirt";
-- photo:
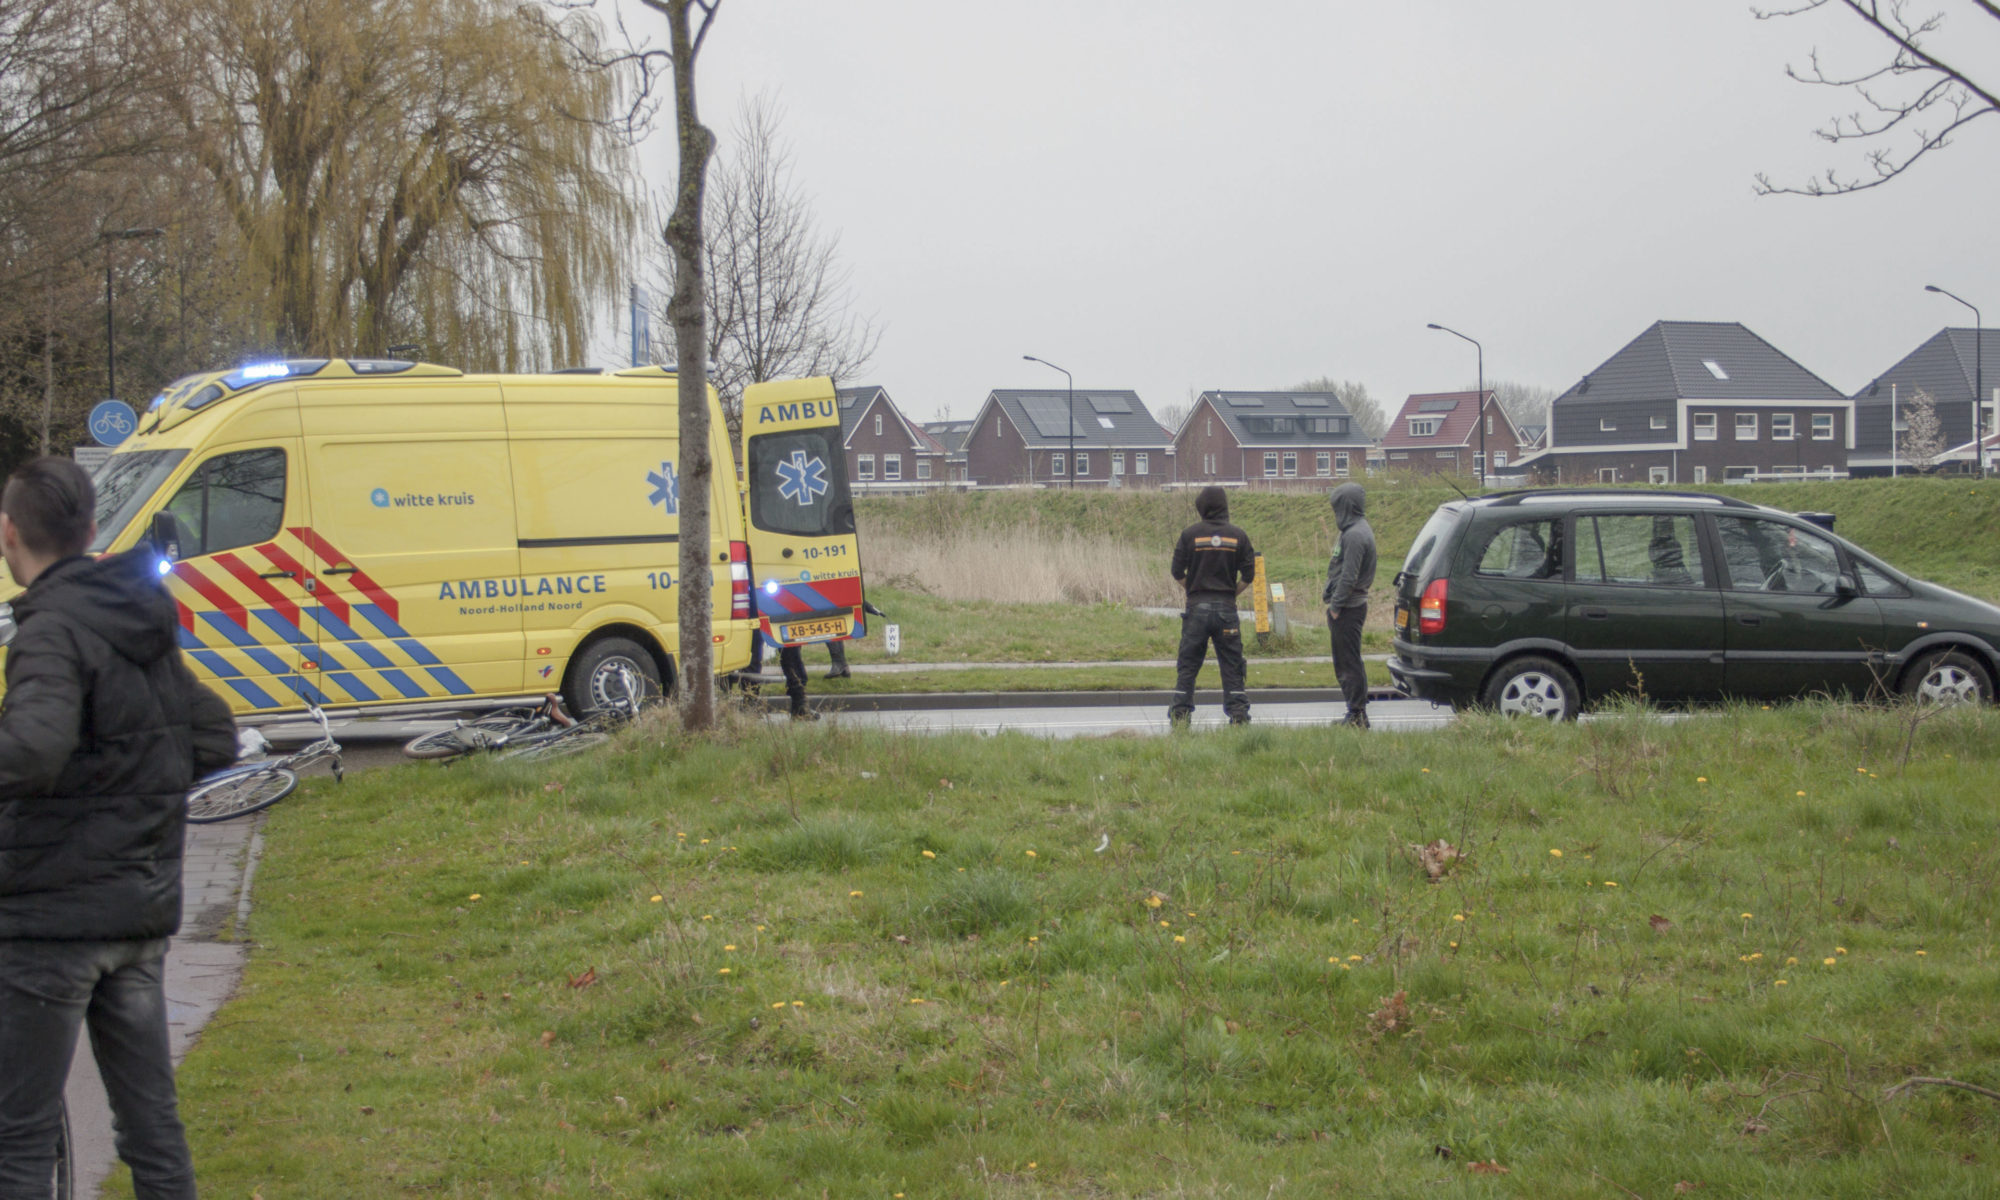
(1350, 504)
(1212, 503)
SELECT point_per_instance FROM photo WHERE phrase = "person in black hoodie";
(1213, 561)
(102, 730)
(1350, 572)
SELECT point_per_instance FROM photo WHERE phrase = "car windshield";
(1433, 531)
(124, 484)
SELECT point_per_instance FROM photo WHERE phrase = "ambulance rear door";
(804, 556)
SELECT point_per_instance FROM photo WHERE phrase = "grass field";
(819, 963)
(938, 564)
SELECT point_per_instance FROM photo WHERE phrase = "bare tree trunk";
(687, 312)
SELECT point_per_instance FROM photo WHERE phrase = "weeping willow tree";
(449, 173)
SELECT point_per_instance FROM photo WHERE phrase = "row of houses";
(1685, 402)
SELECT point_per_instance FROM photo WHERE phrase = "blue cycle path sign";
(112, 421)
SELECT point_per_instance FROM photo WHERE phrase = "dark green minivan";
(1539, 602)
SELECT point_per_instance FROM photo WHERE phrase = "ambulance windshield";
(124, 484)
(798, 484)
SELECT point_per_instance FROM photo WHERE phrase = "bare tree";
(1910, 105)
(1524, 403)
(779, 302)
(687, 311)
(1923, 436)
(1368, 415)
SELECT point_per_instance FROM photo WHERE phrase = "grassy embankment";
(937, 562)
(831, 964)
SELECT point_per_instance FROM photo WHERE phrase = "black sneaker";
(1244, 719)
(843, 673)
(1356, 720)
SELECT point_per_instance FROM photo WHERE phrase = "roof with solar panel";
(1307, 419)
(1102, 418)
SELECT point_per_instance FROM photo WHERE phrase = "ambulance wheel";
(597, 678)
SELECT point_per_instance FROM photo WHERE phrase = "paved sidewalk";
(201, 973)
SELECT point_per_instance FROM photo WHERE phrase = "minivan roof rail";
(1516, 497)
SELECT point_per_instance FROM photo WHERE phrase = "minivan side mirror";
(1846, 586)
(165, 534)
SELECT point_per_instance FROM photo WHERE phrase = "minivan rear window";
(1433, 532)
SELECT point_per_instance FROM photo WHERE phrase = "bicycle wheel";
(471, 735)
(239, 795)
(65, 1172)
(557, 745)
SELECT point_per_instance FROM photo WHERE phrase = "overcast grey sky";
(1171, 195)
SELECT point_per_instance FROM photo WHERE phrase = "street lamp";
(109, 236)
(1978, 378)
(1482, 396)
(1071, 466)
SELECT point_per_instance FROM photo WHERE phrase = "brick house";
(885, 450)
(951, 435)
(1948, 365)
(1695, 402)
(1025, 437)
(1275, 438)
(1437, 433)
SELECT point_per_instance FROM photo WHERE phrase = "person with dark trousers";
(1214, 562)
(837, 650)
(102, 731)
(1349, 575)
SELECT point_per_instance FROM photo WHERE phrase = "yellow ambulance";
(379, 533)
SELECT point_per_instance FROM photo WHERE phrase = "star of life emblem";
(802, 479)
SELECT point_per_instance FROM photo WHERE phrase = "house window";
(1142, 464)
(1340, 464)
(1447, 454)
(1606, 425)
(1656, 475)
(1739, 474)
(1337, 425)
(1607, 474)
(1117, 462)
(1746, 427)
(1271, 464)
(1499, 460)
(867, 467)
(1489, 424)
(1714, 368)
(878, 424)
(1323, 463)
(1479, 465)
(892, 466)
(1704, 427)
(1106, 422)
(1782, 427)
(1208, 427)
(1082, 463)
(1208, 464)
(1659, 422)
(1822, 427)
(1701, 474)
(1425, 426)
(1056, 464)
(923, 468)
(1399, 455)
(1291, 463)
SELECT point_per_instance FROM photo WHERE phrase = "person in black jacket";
(102, 730)
(1214, 562)
(1350, 573)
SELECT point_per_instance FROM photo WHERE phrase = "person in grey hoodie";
(1349, 575)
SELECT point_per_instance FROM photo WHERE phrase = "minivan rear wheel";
(1948, 677)
(1534, 687)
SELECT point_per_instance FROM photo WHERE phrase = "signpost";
(90, 457)
(1260, 599)
(112, 421)
(892, 639)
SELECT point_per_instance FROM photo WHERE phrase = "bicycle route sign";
(112, 421)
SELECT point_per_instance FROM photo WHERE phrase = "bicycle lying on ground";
(250, 787)
(545, 731)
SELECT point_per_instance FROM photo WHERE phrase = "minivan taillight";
(739, 581)
(1430, 608)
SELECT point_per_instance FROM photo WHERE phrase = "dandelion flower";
(1746, 916)
(729, 948)
(1029, 853)
(798, 1004)
(850, 895)
(1165, 924)
(656, 899)
(1180, 937)
(708, 916)
(1791, 962)
(779, 1004)
(1798, 793)
(1333, 958)
(1345, 967)
(1756, 956)
(1610, 883)
(1701, 779)
(473, 896)
(723, 971)
(1827, 962)
(1153, 902)
(1033, 940)
(930, 854)
(1777, 983)
(704, 841)
(1424, 770)
(1354, 958)
(1554, 853)
(1454, 945)
(760, 929)
(1923, 954)
(524, 862)
(1031, 1166)
(1840, 949)
(1005, 982)
(1458, 916)
(680, 835)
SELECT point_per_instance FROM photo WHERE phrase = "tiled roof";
(855, 401)
(1240, 411)
(1103, 418)
(1459, 427)
(1946, 366)
(1698, 360)
(949, 434)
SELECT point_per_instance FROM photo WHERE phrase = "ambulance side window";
(231, 500)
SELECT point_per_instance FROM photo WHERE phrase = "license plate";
(1403, 618)
(811, 631)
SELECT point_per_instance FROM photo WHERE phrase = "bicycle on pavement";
(252, 787)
